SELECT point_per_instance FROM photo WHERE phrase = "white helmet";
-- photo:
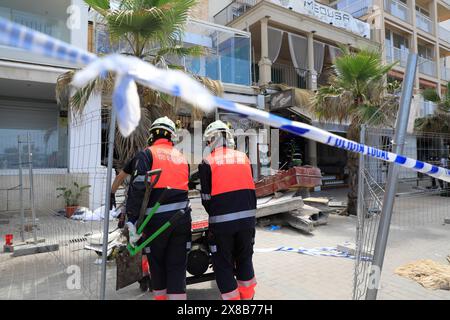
(165, 124)
(215, 130)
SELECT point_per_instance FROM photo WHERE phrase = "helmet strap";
(158, 134)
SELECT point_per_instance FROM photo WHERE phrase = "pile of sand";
(430, 274)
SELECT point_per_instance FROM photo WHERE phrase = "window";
(425, 52)
(396, 40)
(47, 127)
(423, 11)
(400, 41)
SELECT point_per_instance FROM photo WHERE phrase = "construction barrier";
(57, 212)
(422, 204)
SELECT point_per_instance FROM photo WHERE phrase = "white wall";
(215, 6)
(85, 150)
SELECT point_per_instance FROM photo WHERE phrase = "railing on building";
(423, 22)
(444, 34)
(396, 54)
(356, 8)
(398, 9)
(445, 74)
(286, 74)
(427, 108)
(234, 10)
(228, 56)
(427, 66)
(52, 26)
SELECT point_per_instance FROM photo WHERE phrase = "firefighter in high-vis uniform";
(167, 254)
(228, 195)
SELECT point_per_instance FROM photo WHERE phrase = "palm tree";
(355, 94)
(151, 30)
(439, 121)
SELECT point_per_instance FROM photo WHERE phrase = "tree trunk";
(353, 166)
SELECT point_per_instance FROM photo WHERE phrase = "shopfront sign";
(327, 15)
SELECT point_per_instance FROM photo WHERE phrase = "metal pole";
(33, 211)
(391, 185)
(112, 129)
(22, 209)
(360, 213)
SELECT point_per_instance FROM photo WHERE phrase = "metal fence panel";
(420, 202)
(74, 268)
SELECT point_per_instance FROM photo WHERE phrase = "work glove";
(112, 201)
(132, 233)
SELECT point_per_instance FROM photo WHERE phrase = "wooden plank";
(277, 206)
(317, 200)
(298, 222)
(337, 204)
(33, 249)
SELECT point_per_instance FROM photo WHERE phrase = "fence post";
(22, 209)
(33, 210)
(112, 129)
(360, 208)
(391, 184)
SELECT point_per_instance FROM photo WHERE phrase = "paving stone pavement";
(280, 275)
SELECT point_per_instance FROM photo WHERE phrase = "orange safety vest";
(175, 169)
(230, 171)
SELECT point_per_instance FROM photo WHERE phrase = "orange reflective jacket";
(175, 170)
(230, 171)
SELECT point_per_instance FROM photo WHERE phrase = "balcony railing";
(423, 22)
(444, 34)
(427, 108)
(52, 26)
(286, 74)
(234, 10)
(445, 74)
(427, 66)
(397, 9)
(228, 51)
(396, 54)
(356, 8)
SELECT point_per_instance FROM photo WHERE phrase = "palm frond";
(180, 51)
(358, 82)
(101, 6)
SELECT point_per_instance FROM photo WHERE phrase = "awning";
(293, 100)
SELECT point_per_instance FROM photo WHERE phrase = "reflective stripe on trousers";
(160, 294)
(232, 216)
(176, 296)
(247, 283)
(170, 207)
(247, 288)
(233, 295)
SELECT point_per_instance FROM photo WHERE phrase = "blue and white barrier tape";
(177, 83)
(320, 251)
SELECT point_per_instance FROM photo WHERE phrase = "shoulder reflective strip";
(247, 283)
(232, 216)
(205, 196)
(176, 296)
(213, 249)
(139, 179)
(231, 295)
(170, 207)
